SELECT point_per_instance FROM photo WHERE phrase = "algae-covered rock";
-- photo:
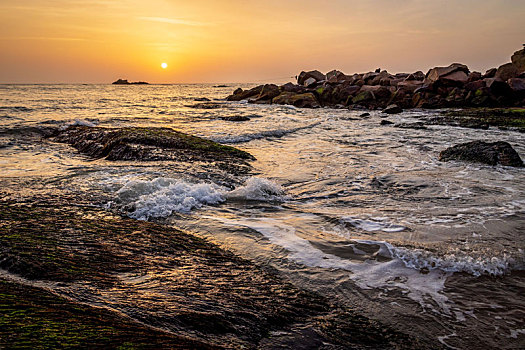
(170, 289)
(491, 153)
(306, 100)
(146, 144)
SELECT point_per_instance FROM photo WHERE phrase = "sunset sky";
(98, 41)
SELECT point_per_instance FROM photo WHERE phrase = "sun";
(164, 65)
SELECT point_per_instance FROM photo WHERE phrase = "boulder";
(245, 94)
(289, 87)
(439, 73)
(336, 76)
(363, 97)
(474, 76)
(498, 87)
(306, 100)
(474, 85)
(315, 74)
(343, 93)
(392, 109)
(491, 153)
(457, 78)
(310, 82)
(507, 71)
(518, 59)
(384, 75)
(517, 85)
(419, 75)
(367, 77)
(386, 122)
(481, 97)
(268, 92)
(490, 73)
(410, 85)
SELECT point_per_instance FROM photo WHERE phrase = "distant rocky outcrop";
(126, 82)
(441, 87)
(491, 153)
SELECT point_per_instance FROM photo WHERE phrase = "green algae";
(498, 117)
(32, 318)
(141, 143)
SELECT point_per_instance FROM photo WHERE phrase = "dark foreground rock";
(146, 144)
(184, 291)
(35, 318)
(491, 153)
(441, 87)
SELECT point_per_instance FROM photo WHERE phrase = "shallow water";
(363, 213)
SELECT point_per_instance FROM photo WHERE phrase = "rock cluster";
(440, 87)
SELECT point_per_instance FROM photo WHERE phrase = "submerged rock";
(208, 105)
(236, 118)
(146, 144)
(393, 109)
(491, 153)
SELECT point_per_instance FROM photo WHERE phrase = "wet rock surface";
(146, 144)
(491, 153)
(184, 291)
(481, 118)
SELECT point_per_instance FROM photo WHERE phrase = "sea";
(362, 213)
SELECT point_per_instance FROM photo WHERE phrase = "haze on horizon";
(98, 41)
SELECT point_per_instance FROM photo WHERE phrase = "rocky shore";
(78, 276)
(454, 86)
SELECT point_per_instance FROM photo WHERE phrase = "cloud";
(173, 21)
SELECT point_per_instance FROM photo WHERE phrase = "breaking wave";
(161, 197)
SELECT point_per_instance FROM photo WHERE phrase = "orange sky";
(98, 41)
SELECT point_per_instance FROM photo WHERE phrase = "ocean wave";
(161, 197)
(371, 226)
(80, 122)
(423, 260)
(16, 108)
(232, 139)
(258, 189)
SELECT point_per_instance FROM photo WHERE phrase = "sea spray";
(161, 197)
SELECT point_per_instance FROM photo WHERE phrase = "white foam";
(161, 197)
(79, 122)
(258, 189)
(459, 262)
(367, 274)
